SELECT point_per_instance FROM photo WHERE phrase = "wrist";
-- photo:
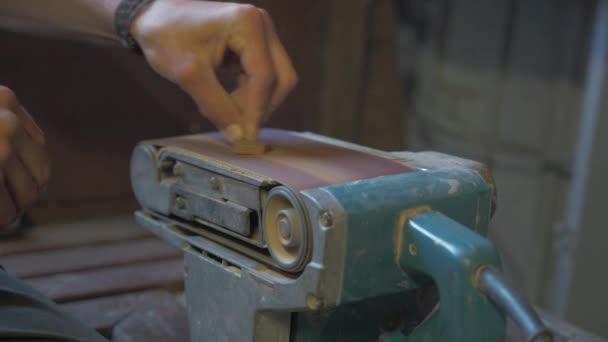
(159, 15)
(137, 30)
(127, 12)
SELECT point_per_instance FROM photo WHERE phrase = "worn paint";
(382, 279)
(451, 254)
(377, 206)
(399, 231)
(454, 185)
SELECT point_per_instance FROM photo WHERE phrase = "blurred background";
(506, 82)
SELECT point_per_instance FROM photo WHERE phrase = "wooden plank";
(111, 280)
(342, 84)
(42, 263)
(381, 120)
(74, 234)
(82, 210)
(166, 320)
(103, 313)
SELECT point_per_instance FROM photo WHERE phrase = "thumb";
(212, 99)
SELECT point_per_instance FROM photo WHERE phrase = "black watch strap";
(126, 11)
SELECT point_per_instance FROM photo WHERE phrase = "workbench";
(119, 279)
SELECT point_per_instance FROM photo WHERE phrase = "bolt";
(285, 228)
(313, 302)
(181, 203)
(215, 183)
(178, 169)
(326, 219)
(412, 249)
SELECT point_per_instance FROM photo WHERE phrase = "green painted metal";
(452, 254)
(373, 208)
(381, 278)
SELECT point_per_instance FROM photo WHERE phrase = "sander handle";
(473, 295)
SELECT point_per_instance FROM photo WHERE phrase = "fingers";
(8, 126)
(198, 79)
(30, 126)
(8, 121)
(24, 166)
(187, 43)
(270, 73)
(249, 41)
(33, 156)
(13, 115)
(286, 75)
(21, 137)
(8, 211)
(19, 183)
(22, 178)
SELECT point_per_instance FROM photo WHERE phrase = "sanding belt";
(293, 160)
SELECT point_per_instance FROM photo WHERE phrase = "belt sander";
(317, 239)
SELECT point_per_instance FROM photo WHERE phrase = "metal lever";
(495, 285)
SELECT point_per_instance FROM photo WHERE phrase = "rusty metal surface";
(293, 160)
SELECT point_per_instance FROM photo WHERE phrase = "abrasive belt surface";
(294, 161)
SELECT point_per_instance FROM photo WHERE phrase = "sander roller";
(322, 240)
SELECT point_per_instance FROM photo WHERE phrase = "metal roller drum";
(286, 230)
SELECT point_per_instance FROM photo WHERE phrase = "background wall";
(501, 82)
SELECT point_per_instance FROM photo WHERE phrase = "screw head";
(412, 249)
(326, 219)
(178, 169)
(181, 203)
(215, 183)
(313, 302)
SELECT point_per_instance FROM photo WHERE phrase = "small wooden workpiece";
(250, 147)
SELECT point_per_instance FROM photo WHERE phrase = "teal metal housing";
(406, 234)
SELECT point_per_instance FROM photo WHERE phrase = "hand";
(192, 42)
(24, 164)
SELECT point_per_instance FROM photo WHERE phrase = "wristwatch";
(124, 15)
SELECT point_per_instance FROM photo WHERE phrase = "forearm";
(93, 18)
